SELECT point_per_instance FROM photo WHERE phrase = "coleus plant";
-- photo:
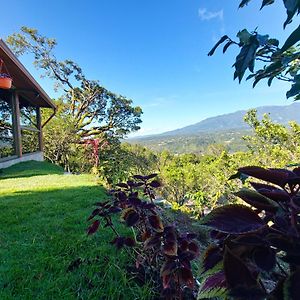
(160, 250)
(256, 247)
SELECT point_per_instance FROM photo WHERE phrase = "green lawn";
(42, 231)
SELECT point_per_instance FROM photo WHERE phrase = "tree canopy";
(94, 110)
(280, 62)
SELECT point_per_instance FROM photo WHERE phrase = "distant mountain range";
(227, 129)
(233, 121)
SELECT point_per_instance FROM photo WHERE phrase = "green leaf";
(292, 39)
(245, 60)
(262, 39)
(243, 3)
(294, 91)
(222, 40)
(227, 46)
(267, 2)
(273, 42)
(244, 36)
(291, 8)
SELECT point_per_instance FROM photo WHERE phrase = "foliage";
(118, 162)
(272, 143)
(278, 62)
(86, 109)
(254, 244)
(160, 250)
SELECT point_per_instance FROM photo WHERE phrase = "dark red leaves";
(257, 200)
(121, 241)
(155, 184)
(170, 248)
(93, 228)
(234, 219)
(264, 258)
(276, 176)
(157, 244)
(211, 257)
(241, 276)
(156, 223)
(122, 185)
(94, 213)
(292, 286)
(186, 277)
(215, 282)
(131, 217)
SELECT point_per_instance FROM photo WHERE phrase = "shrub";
(256, 249)
(162, 254)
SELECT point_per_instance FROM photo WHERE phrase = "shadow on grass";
(29, 169)
(43, 233)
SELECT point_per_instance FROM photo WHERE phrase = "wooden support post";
(16, 123)
(39, 126)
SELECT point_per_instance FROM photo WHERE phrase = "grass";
(43, 223)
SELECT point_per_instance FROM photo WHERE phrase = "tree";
(86, 110)
(278, 62)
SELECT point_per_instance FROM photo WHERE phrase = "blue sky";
(155, 52)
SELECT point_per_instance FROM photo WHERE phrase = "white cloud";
(206, 15)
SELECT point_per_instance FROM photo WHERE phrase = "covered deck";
(21, 136)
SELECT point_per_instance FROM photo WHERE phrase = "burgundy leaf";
(122, 196)
(170, 248)
(297, 171)
(241, 275)
(271, 192)
(155, 184)
(153, 241)
(135, 201)
(211, 257)
(93, 214)
(102, 204)
(150, 176)
(186, 277)
(292, 286)
(194, 248)
(131, 217)
(234, 219)
(130, 183)
(166, 281)
(114, 209)
(118, 242)
(139, 177)
(93, 228)
(156, 223)
(145, 235)
(215, 281)
(130, 242)
(250, 240)
(275, 176)
(257, 200)
(122, 185)
(264, 258)
(168, 268)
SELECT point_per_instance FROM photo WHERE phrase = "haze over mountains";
(279, 114)
(226, 129)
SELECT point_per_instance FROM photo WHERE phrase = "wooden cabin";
(21, 125)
